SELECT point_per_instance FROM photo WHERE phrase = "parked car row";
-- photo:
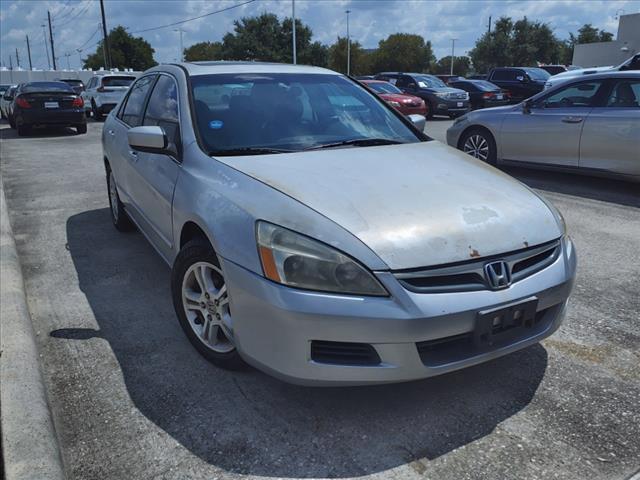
(588, 123)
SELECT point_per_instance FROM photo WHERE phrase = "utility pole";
(293, 16)
(53, 51)
(489, 31)
(453, 43)
(17, 58)
(29, 53)
(348, 45)
(10, 63)
(46, 49)
(181, 46)
(68, 65)
(107, 53)
(79, 58)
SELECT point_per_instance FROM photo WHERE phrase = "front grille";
(469, 275)
(344, 353)
(458, 96)
(460, 347)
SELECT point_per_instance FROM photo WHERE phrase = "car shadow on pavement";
(9, 133)
(596, 188)
(249, 423)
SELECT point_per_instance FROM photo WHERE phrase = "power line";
(80, 12)
(194, 18)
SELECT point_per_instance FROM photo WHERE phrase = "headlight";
(442, 94)
(298, 261)
(393, 104)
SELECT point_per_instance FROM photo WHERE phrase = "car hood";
(414, 205)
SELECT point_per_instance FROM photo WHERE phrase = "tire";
(479, 143)
(12, 122)
(119, 216)
(2, 115)
(81, 128)
(96, 112)
(206, 319)
(24, 130)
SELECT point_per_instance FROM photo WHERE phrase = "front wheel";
(479, 144)
(119, 217)
(12, 122)
(201, 302)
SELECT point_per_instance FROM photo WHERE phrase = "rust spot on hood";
(474, 253)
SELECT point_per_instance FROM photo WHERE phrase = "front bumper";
(275, 325)
(451, 107)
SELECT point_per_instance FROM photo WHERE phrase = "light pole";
(453, 43)
(79, 58)
(348, 45)
(46, 48)
(181, 47)
(68, 64)
(293, 16)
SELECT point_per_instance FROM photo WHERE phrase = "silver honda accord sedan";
(588, 124)
(313, 232)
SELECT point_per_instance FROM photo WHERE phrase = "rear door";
(549, 133)
(611, 134)
(153, 176)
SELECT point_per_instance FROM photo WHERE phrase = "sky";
(76, 22)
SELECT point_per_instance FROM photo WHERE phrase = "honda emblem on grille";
(498, 274)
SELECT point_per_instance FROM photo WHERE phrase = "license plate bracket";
(51, 105)
(499, 324)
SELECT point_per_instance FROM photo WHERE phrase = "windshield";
(46, 87)
(117, 81)
(289, 112)
(537, 73)
(427, 81)
(383, 87)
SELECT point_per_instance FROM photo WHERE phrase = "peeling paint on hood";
(414, 205)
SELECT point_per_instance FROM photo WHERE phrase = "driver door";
(548, 130)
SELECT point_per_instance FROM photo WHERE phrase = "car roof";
(215, 67)
(602, 75)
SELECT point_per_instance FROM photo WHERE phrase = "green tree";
(360, 64)
(265, 38)
(126, 50)
(522, 43)
(403, 52)
(590, 34)
(461, 66)
(203, 51)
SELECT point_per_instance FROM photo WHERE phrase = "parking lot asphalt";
(131, 399)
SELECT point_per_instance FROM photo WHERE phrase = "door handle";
(111, 132)
(133, 154)
(571, 119)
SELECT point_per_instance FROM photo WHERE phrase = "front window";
(577, 95)
(383, 87)
(289, 112)
(428, 81)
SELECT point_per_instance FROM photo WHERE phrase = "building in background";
(602, 54)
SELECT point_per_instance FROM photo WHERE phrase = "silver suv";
(313, 232)
(103, 92)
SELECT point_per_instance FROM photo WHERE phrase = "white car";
(5, 100)
(103, 92)
(632, 63)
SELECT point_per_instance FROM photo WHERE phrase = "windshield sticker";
(216, 124)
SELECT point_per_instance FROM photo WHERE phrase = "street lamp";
(348, 45)
(453, 43)
(293, 16)
(181, 48)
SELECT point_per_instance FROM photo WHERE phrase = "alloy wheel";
(477, 146)
(113, 197)
(206, 305)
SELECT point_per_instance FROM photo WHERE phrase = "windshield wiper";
(357, 142)
(247, 151)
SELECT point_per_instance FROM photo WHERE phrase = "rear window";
(505, 74)
(46, 87)
(117, 81)
(486, 86)
(72, 82)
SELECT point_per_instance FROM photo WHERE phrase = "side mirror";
(150, 139)
(418, 121)
(522, 79)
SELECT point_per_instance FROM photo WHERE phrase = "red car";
(405, 104)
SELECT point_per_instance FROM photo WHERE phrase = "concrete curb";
(29, 443)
